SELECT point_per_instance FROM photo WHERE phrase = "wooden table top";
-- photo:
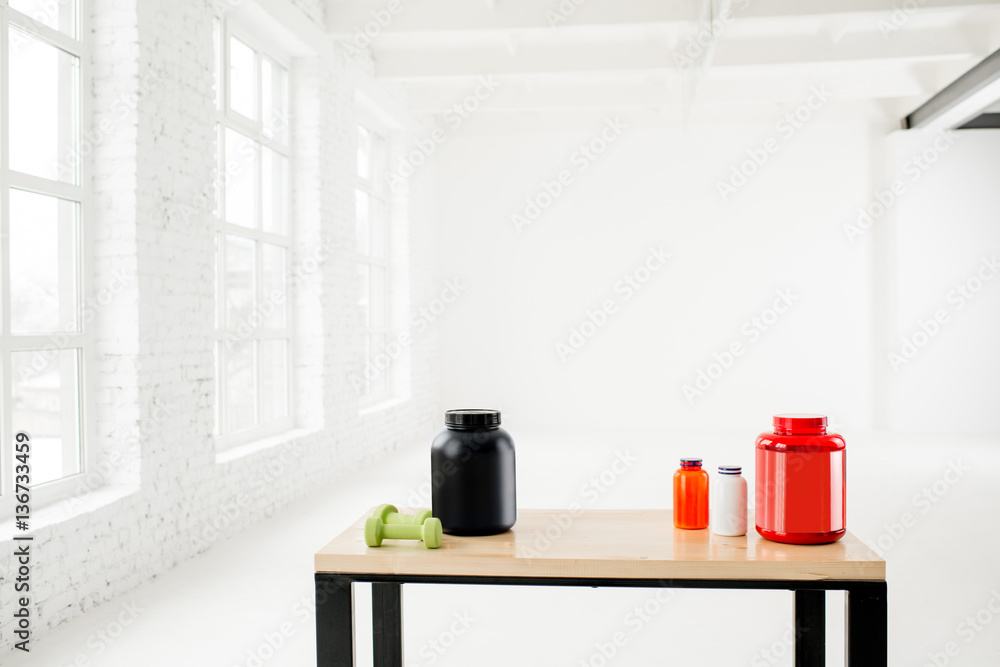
(615, 544)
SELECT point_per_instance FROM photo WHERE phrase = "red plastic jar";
(801, 495)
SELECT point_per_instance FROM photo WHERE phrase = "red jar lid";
(795, 423)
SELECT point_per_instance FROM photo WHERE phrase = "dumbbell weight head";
(432, 533)
(383, 512)
(373, 531)
(421, 516)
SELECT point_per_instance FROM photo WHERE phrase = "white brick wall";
(158, 495)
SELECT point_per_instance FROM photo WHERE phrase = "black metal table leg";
(867, 625)
(334, 621)
(387, 624)
(810, 628)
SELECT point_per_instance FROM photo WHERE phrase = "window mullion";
(71, 421)
(45, 33)
(43, 186)
(25, 343)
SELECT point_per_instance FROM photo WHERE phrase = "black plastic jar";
(472, 474)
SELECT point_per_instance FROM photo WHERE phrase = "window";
(371, 225)
(43, 343)
(253, 323)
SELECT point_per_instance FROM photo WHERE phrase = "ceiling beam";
(729, 87)
(344, 17)
(541, 57)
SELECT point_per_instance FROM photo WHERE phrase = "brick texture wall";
(158, 493)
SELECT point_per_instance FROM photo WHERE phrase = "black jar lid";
(472, 418)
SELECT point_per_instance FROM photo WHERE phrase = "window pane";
(217, 65)
(44, 109)
(273, 96)
(379, 382)
(43, 264)
(377, 159)
(274, 378)
(240, 179)
(242, 79)
(57, 14)
(362, 222)
(220, 171)
(377, 301)
(274, 185)
(220, 373)
(363, 295)
(239, 391)
(273, 294)
(45, 389)
(217, 276)
(377, 223)
(366, 368)
(239, 281)
(364, 152)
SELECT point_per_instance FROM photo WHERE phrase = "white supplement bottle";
(729, 508)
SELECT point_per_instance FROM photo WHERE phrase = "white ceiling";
(619, 56)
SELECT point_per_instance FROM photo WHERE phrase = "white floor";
(247, 601)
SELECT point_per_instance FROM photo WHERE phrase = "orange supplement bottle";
(691, 495)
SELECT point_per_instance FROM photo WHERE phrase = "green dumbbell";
(429, 531)
(390, 515)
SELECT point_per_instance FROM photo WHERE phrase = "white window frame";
(377, 188)
(225, 117)
(80, 47)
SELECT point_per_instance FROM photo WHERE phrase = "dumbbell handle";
(398, 518)
(402, 531)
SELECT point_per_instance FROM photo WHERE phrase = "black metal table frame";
(865, 622)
